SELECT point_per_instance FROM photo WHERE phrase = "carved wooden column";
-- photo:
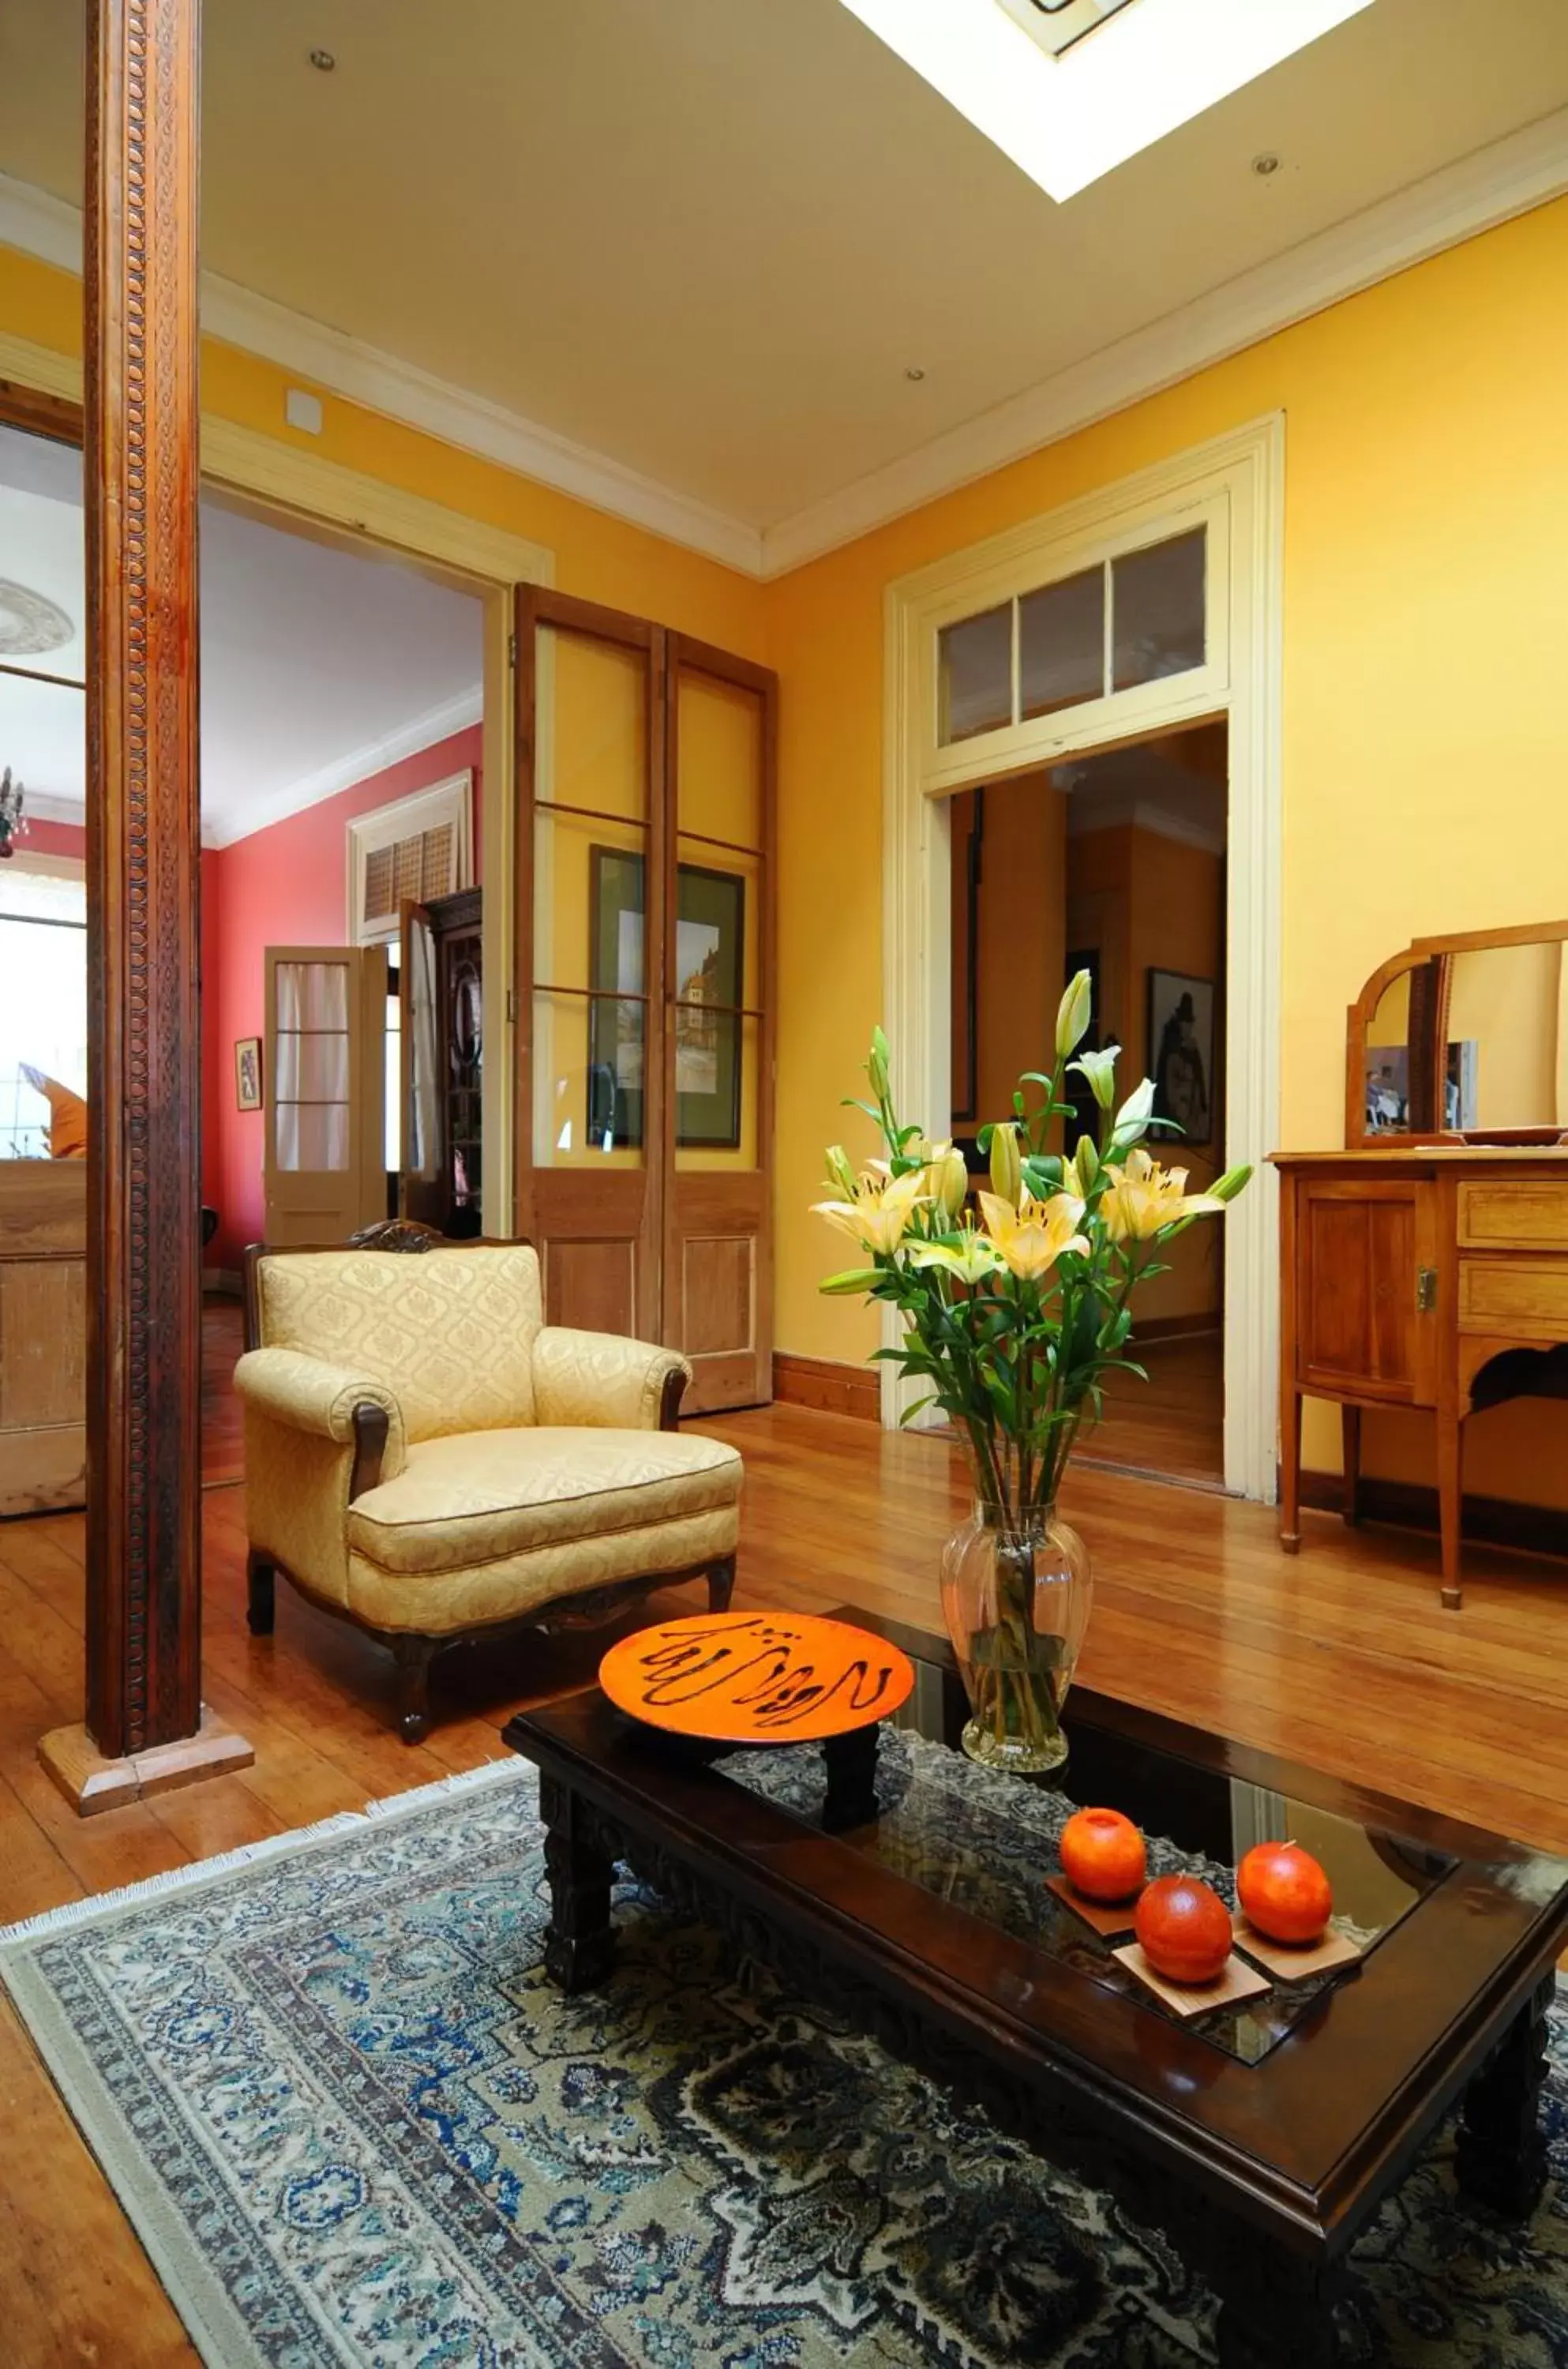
(144, 1729)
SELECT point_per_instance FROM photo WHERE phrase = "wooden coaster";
(1236, 1980)
(1296, 1962)
(1105, 1916)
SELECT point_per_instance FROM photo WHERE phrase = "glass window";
(1061, 644)
(1157, 608)
(975, 664)
(44, 1003)
(309, 1106)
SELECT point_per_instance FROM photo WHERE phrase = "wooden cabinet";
(43, 1335)
(1416, 1278)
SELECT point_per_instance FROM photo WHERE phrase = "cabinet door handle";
(1425, 1290)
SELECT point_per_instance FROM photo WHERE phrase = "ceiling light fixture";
(1065, 119)
(914, 374)
(1266, 164)
(323, 61)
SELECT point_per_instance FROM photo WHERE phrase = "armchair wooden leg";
(260, 1594)
(721, 1581)
(413, 1656)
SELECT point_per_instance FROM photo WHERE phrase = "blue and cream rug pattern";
(353, 2124)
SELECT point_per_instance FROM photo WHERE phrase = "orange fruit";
(1284, 1892)
(1103, 1855)
(1185, 1929)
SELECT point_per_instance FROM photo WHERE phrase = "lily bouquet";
(1014, 1312)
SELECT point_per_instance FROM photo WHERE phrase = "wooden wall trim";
(1495, 1521)
(144, 847)
(829, 1386)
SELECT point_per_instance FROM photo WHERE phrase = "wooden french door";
(324, 1093)
(645, 954)
(423, 1191)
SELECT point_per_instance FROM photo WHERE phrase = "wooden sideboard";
(1432, 1277)
(43, 1335)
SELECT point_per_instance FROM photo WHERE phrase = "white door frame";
(1236, 484)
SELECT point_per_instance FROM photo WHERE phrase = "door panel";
(719, 1048)
(324, 1128)
(1360, 1250)
(590, 946)
(422, 1189)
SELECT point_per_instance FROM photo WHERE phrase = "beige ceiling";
(708, 237)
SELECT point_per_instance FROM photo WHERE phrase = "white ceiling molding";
(1117, 810)
(421, 732)
(1527, 169)
(46, 227)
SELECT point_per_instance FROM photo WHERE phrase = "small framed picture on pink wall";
(247, 1073)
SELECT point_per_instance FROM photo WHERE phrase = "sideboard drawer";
(1527, 1297)
(1518, 1214)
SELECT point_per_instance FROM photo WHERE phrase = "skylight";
(1068, 107)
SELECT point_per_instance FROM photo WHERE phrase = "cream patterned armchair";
(428, 1458)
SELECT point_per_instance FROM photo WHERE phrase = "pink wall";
(54, 838)
(283, 885)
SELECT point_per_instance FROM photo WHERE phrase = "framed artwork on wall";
(709, 974)
(1181, 1053)
(247, 1073)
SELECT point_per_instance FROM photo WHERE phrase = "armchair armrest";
(328, 1401)
(601, 1379)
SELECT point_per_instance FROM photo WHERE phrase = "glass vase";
(1016, 1588)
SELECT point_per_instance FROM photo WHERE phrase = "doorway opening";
(1115, 863)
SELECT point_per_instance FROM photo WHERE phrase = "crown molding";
(1512, 176)
(345, 772)
(51, 230)
(1528, 169)
(43, 807)
(1123, 809)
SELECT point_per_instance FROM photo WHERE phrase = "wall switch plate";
(303, 410)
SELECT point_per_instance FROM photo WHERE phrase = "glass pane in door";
(1159, 624)
(720, 734)
(975, 675)
(1061, 644)
(310, 1092)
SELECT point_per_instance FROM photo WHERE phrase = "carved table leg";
(1500, 2157)
(852, 1780)
(1277, 2309)
(579, 1945)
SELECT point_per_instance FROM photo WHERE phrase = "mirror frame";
(1362, 1011)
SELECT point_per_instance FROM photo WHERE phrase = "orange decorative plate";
(756, 1678)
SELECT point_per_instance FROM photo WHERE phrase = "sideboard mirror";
(1462, 1039)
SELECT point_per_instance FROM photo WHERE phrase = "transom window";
(1129, 620)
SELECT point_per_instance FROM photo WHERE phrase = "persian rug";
(353, 2124)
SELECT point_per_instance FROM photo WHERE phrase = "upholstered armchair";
(427, 1458)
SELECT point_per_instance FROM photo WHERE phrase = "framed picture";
(1181, 1053)
(247, 1073)
(710, 945)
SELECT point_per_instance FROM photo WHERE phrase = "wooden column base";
(91, 1784)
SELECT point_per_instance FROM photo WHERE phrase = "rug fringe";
(204, 1871)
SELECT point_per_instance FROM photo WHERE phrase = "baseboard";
(1494, 1521)
(221, 1283)
(828, 1385)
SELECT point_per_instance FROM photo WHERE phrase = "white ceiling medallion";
(1066, 109)
(31, 622)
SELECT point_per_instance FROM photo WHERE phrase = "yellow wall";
(1426, 508)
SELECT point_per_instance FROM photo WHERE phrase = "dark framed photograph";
(247, 1073)
(1181, 1053)
(710, 949)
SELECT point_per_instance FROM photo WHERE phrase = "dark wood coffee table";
(1263, 2137)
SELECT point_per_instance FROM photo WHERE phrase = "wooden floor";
(1174, 1423)
(1341, 1658)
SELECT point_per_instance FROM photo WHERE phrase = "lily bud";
(1132, 1119)
(1099, 1073)
(1226, 1187)
(1085, 1167)
(839, 1173)
(947, 1179)
(876, 1066)
(1006, 1163)
(1073, 1014)
(851, 1282)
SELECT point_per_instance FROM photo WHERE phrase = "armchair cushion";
(478, 1499)
(600, 1378)
(309, 1395)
